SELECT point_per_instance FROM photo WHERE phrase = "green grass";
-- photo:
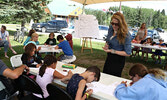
(86, 59)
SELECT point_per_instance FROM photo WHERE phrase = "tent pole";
(83, 8)
(120, 7)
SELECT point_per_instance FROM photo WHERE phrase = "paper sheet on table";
(98, 87)
(62, 72)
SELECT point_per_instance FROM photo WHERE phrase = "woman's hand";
(105, 46)
(107, 50)
(124, 82)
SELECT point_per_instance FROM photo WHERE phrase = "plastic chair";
(16, 60)
(24, 83)
(68, 61)
(57, 93)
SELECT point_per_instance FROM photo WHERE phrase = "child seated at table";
(65, 46)
(47, 73)
(158, 53)
(76, 86)
(28, 58)
(29, 37)
(146, 50)
(146, 85)
(51, 40)
(136, 40)
(69, 39)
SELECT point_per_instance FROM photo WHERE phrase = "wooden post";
(85, 41)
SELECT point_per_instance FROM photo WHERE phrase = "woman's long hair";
(31, 32)
(48, 60)
(158, 73)
(138, 69)
(141, 71)
(123, 28)
(142, 25)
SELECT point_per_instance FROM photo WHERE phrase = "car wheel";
(43, 29)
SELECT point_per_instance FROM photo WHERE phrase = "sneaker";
(6, 56)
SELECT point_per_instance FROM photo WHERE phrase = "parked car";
(150, 33)
(50, 26)
(160, 30)
(65, 31)
(103, 31)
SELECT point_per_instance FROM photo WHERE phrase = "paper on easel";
(86, 26)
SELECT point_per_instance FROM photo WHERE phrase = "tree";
(100, 15)
(23, 10)
(163, 12)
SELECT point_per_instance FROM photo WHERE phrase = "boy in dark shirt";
(51, 40)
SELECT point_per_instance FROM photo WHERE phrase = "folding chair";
(16, 60)
(68, 61)
(24, 83)
(57, 93)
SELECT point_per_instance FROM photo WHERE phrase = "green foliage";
(22, 10)
(101, 16)
(137, 16)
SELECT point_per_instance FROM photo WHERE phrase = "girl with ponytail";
(146, 84)
(47, 73)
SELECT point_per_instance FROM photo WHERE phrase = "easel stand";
(85, 41)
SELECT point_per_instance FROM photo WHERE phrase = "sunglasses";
(116, 24)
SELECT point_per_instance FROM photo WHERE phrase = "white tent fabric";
(87, 2)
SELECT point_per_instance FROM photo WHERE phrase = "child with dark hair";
(76, 86)
(47, 73)
(29, 37)
(65, 46)
(146, 84)
(28, 58)
(158, 53)
(51, 40)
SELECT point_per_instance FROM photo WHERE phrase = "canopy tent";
(88, 2)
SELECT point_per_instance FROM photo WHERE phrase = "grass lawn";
(86, 59)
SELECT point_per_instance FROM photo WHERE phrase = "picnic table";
(103, 90)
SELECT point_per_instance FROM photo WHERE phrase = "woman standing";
(142, 32)
(118, 45)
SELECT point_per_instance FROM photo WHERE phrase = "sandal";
(14, 52)
(6, 56)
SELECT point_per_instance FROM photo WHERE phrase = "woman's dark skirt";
(114, 64)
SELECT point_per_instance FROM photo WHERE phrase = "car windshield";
(149, 32)
(71, 27)
(103, 28)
